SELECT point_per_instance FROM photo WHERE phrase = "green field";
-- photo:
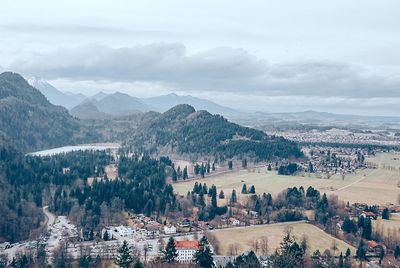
(372, 186)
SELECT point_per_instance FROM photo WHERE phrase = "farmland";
(243, 237)
(372, 186)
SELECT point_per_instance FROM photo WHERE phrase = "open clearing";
(372, 186)
(244, 237)
(388, 227)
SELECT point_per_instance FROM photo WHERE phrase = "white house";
(169, 229)
(234, 222)
(186, 250)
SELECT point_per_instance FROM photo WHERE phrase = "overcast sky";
(340, 56)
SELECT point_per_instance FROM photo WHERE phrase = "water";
(83, 147)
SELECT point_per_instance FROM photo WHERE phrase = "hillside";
(28, 121)
(184, 130)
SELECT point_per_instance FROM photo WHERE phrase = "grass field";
(388, 225)
(244, 237)
(372, 186)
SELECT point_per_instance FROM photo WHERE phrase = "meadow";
(371, 186)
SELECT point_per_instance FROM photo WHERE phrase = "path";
(362, 178)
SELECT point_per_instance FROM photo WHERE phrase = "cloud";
(221, 69)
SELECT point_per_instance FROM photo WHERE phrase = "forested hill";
(28, 121)
(184, 130)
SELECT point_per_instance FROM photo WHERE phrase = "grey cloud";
(220, 69)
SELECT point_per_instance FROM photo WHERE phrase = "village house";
(375, 248)
(186, 250)
(233, 221)
(169, 229)
(369, 214)
(153, 230)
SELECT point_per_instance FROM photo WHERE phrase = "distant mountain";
(165, 102)
(56, 97)
(88, 110)
(184, 130)
(320, 119)
(99, 96)
(102, 105)
(122, 104)
(28, 121)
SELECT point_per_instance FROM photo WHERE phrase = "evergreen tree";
(244, 163)
(203, 257)
(349, 226)
(244, 189)
(174, 175)
(138, 264)
(367, 229)
(214, 198)
(348, 253)
(385, 214)
(202, 170)
(289, 254)
(248, 260)
(361, 250)
(185, 173)
(124, 258)
(340, 261)
(106, 236)
(230, 165)
(221, 194)
(397, 252)
(252, 189)
(170, 253)
(213, 167)
(269, 168)
(233, 197)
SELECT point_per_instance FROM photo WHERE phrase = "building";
(233, 221)
(169, 229)
(186, 250)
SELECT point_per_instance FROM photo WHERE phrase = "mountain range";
(103, 106)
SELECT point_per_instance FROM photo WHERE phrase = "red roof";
(192, 244)
(372, 244)
(369, 214)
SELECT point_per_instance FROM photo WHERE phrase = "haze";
(335, 56)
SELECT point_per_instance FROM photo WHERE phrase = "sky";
(275, 56)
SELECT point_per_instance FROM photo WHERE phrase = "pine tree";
(397, 252)
(170, 253)
(202, 170)
(221, 195)
(244, 189)
(124, 258)
(269, 168)
(340, 261)
(214, 198)
(185, 173)
(203, 257)
(174, 175)
(367, 229)
(230, 164)
(106, 236)
(244, 163)
(252, 189)
(385, 214)
(361, 250)
(233, 197)
(213, 167)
